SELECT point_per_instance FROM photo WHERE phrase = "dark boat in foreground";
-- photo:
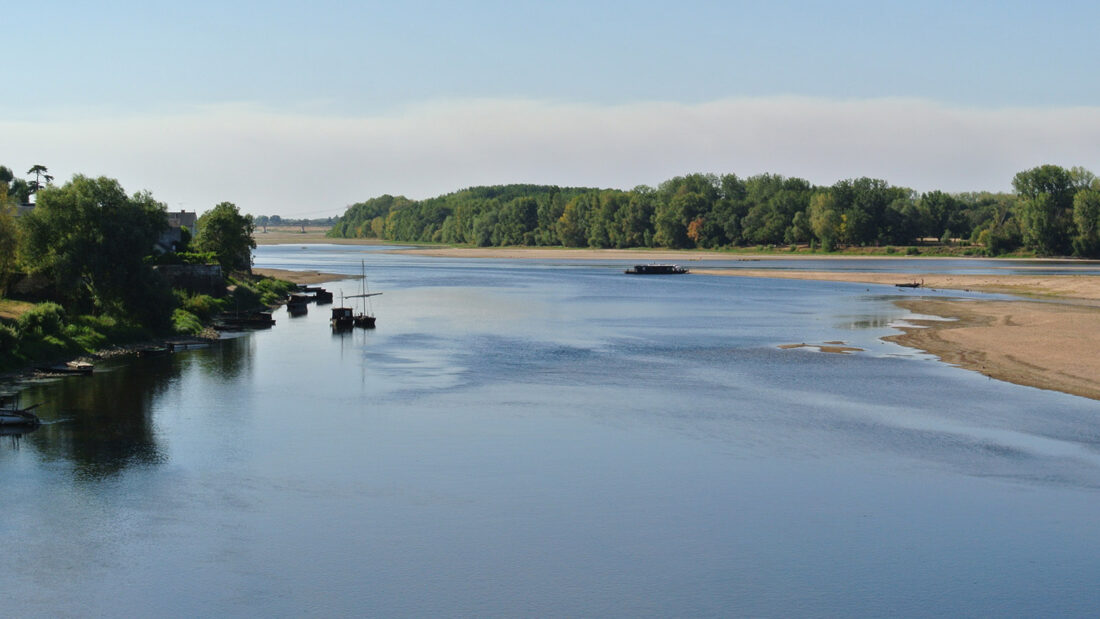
(656, 269)
(11, 415)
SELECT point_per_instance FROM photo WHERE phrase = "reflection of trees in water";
(104, 423)
(228, 359)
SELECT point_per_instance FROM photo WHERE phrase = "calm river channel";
(555, 438)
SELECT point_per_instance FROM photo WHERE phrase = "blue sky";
(302, 108)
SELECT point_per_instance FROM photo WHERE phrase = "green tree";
(9, 239)
(1086, 218)
(825, 222)
(1046, 206)
(226, 232)
(90, 240)
(39, 172)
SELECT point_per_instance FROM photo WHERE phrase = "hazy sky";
(300, 109)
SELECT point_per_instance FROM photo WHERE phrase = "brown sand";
(1050, 344)
(302, 277)
(1045, 345)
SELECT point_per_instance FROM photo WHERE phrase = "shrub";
(84, 335)
(186, 323)
(9, 337)
(912, 251)
(890, 249)
(203, 306)
(43, 319)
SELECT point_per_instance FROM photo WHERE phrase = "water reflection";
(230, 359)
(104, 424)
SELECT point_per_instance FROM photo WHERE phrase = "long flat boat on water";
(656, 269)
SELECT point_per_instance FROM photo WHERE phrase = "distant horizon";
(304, 110)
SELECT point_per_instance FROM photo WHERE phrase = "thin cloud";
(295, 164)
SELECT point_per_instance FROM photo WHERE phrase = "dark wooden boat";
(236, 321)
(911, 284)
(656, 269)
(14, 416)
(342, 318)
(316, 293)
(153, 351)
(365, 318)
(297, 303)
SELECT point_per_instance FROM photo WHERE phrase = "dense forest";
(1053, 211)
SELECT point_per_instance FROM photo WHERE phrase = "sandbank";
(1048, 340)
(302, 277)
(1039, 344)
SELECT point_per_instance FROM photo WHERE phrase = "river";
(552, 437)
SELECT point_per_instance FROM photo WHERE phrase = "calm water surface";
(552, 437)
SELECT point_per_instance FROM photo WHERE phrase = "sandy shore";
(302, 277)
(1049, 343)
(1045, 345)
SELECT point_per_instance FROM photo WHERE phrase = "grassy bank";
(37, 333)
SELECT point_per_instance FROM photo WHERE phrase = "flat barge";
(656, 269)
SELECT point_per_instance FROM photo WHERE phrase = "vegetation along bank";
(86, 265)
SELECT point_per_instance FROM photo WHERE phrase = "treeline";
(1054, 211)
(263, 221)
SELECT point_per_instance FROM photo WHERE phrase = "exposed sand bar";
(302, 277)
(1045, 345)
(1050, 344)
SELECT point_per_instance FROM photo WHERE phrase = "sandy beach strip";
(1033, 343)
(302, 277)
(1048, 341)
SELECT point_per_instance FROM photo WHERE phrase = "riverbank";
(1038, 344)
